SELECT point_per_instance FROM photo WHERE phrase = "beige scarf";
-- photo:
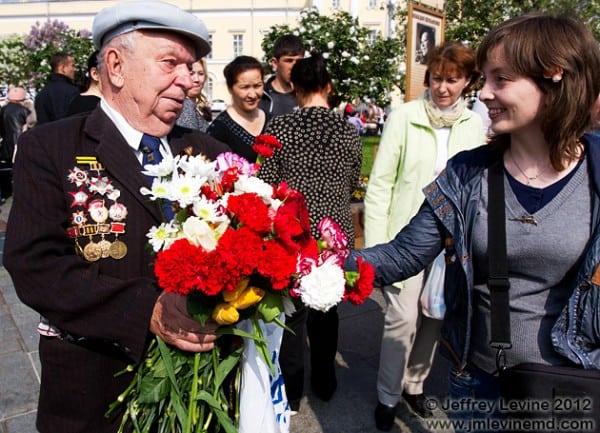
(443, 118)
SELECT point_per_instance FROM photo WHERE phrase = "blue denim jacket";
(445, 220)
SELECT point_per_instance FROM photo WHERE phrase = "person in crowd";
(91, 89)
(539, 89)
(13, 122)
(97, 294)
(52, 102)
(278, 97)
(418, 138)
(242, 121)
(318, 148)
(193, 115)
(354, 119)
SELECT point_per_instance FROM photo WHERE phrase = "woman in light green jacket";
(417, 140)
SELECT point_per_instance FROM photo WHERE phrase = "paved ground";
(349, 411)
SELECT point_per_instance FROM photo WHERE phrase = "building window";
(335, 4)
(372, 4)
(372, 36)
(210, 42)
(238, 45)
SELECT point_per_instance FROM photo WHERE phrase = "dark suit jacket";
(108, 302)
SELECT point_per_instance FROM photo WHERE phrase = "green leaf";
(227, 365)
(178, 406)
(153, 390)
(168, 361)
(226, 422)
(270, 307)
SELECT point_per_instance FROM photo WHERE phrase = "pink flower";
(229, 160)
(332, 234)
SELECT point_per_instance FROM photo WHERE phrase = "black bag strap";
(498, 282)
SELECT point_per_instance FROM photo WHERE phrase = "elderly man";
(100, 311)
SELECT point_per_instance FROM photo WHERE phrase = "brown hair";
(539, 46)
(453, 56)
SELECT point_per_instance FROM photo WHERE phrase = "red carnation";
(364, 284)
(180, 268)
(250, 211)
(265, 145)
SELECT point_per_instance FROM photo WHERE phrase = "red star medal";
(79, 197)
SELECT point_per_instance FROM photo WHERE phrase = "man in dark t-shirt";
(278, 97)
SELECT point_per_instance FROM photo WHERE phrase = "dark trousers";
(322, 330)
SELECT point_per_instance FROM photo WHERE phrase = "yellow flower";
(234, 294)
(225, 314)
(248, 298)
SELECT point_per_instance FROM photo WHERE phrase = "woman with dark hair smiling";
(239, 125)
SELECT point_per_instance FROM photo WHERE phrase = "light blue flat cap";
(126, 17)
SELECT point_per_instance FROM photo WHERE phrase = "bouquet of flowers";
(242, 252)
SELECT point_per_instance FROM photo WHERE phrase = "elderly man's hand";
(171, 322)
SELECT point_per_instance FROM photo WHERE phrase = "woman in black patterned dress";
(239, 125)
(321, 157)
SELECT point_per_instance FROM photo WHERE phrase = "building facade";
(235, 26)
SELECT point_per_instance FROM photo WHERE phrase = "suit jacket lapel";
(119, 160)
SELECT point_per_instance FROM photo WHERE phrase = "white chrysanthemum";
(254, 184)
(160, 189)
(158, 236)
(330, 45)
(323, 287)
(185, 189)
(197, 166)
(208, 210)
(200, 233)
(162, 169)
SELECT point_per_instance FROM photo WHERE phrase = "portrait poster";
(425, 31)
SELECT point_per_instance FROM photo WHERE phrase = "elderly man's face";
(155, 80)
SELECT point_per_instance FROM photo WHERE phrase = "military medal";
(118, 249)
(92, 251)
(98, 211)
(108, 219)
(104, 247)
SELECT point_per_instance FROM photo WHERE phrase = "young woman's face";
(247, 90)
(198, 77)
(514, 101)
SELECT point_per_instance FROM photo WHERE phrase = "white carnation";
(323, 287)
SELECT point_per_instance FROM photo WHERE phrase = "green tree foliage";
(13, 61)
(470, 20)
(361, 65)
(25, 59)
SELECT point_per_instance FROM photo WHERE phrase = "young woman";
(540, 85)
(239, 125)
(193, 114)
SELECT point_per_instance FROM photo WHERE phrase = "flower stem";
(193, 394)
